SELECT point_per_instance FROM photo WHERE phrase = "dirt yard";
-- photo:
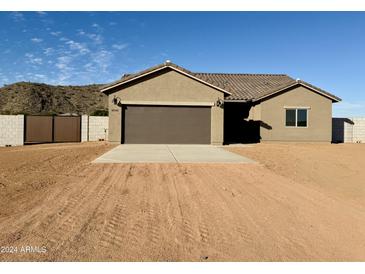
(302, 202)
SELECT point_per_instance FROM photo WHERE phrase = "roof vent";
(167, 62)
(298, 79)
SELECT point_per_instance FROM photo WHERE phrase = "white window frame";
(296, 116)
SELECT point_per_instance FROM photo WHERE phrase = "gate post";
(52, 128)
(84, 128)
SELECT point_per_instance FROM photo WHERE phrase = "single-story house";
(168, 104)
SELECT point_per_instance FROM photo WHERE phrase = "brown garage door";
(67, 129)
(166, 125)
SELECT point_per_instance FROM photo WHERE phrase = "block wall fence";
(11, 130)
(93, 128)
(348, 130)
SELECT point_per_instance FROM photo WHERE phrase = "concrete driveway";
(170, 154)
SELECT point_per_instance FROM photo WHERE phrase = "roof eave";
(237, 100)
(169, 65)
(334, 99)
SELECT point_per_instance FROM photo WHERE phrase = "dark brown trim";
(122, 128)
(52, 128)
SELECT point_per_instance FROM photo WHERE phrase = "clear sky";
(324, 48)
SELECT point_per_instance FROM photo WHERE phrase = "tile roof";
(238, 86)
(247, 86)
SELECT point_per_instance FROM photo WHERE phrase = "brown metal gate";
(52, 129)
(66, 129)
(38, 129)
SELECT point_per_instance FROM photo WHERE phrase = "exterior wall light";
(219, 102)
(116, 100)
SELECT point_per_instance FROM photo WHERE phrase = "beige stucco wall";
(170, 87)
(319, 116)
(255, 112)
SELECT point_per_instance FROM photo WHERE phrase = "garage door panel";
(166, 125)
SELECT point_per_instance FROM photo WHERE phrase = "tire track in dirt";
(173, 235)
(102, 206)
(153, 225)
(36, 221)
(197, 205)
(170, 215)
(128, 226)
(204, 222)
(212, 217)
(230, 210)
(180, 189)
(79, 208)
(249, 222)
(178, 213)
(70, 215)
(142, 230)
(112, 232)
(138, 220)
(152, 211)
(73, 198)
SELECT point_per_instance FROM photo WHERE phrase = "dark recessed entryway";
(237, 127)
(143, 124)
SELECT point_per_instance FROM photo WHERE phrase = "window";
(301, 117)
(290, 117)
(296, 117)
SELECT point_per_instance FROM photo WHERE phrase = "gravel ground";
(303, 202)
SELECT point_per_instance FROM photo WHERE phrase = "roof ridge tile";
(248, 74)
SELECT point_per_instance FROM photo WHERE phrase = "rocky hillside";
(35, 98)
